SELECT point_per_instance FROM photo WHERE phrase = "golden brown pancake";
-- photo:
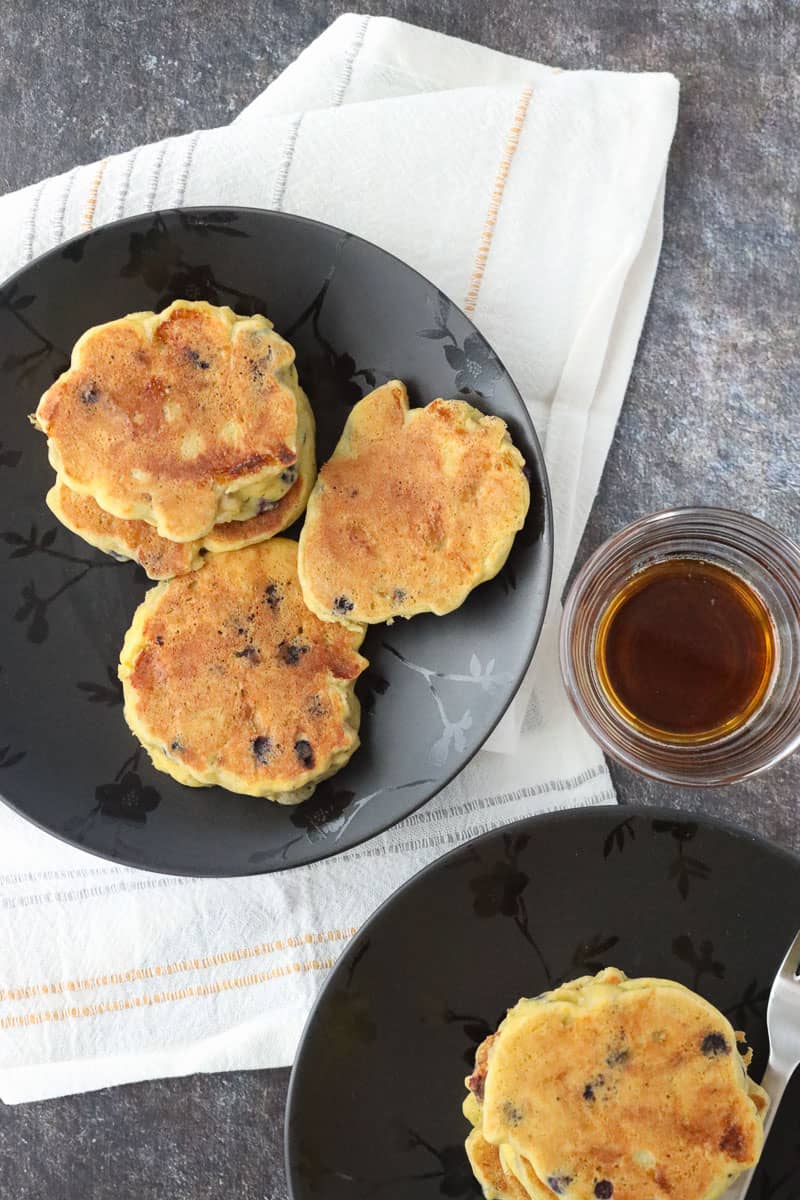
(414, 510)
(177, 418)
(229, 679)
(610, 1087)
(162, 559)
(497, 1184)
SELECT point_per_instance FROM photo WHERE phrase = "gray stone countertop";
(710, 416)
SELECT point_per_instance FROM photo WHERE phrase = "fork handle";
(774, 1084)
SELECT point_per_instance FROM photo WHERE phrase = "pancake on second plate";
(229, 680)
(182, 419)
(485, 1159)
(415, 508)
(496, 1182)
(612, 1087)
(162, 559)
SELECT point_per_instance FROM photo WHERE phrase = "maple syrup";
(685, 651)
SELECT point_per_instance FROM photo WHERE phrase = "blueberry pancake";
(162, 559)
(229, 680)
(182, 419)
(415, 508)
(612, 1087)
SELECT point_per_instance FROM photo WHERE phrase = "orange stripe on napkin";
(495, 200)
(179, 966)
(76, 1013)
(87, 218)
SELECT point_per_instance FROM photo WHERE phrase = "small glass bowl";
(766, 560)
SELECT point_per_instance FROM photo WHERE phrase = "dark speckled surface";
(711, 414)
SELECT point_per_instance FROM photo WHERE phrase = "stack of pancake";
(612, 1087)
(179, 434)
(182, 439)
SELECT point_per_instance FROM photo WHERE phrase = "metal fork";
(783, 1027)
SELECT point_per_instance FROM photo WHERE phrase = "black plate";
(435, 687)
(374, 1106)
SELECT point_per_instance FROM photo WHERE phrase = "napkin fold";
(533, 197)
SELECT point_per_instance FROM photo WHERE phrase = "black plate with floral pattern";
(374, 1109)
(436, 686)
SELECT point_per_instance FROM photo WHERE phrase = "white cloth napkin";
(533, 197)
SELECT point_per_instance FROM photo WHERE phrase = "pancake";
(414, 509)
(182, 418)
(609, 1087)
(229, 680)
(162, 559)
(496, 1183)
(496, 1180)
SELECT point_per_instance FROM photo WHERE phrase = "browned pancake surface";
(631, 1089)
(230, 680)
(414, 509)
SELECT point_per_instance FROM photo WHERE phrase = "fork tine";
(791, 964)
